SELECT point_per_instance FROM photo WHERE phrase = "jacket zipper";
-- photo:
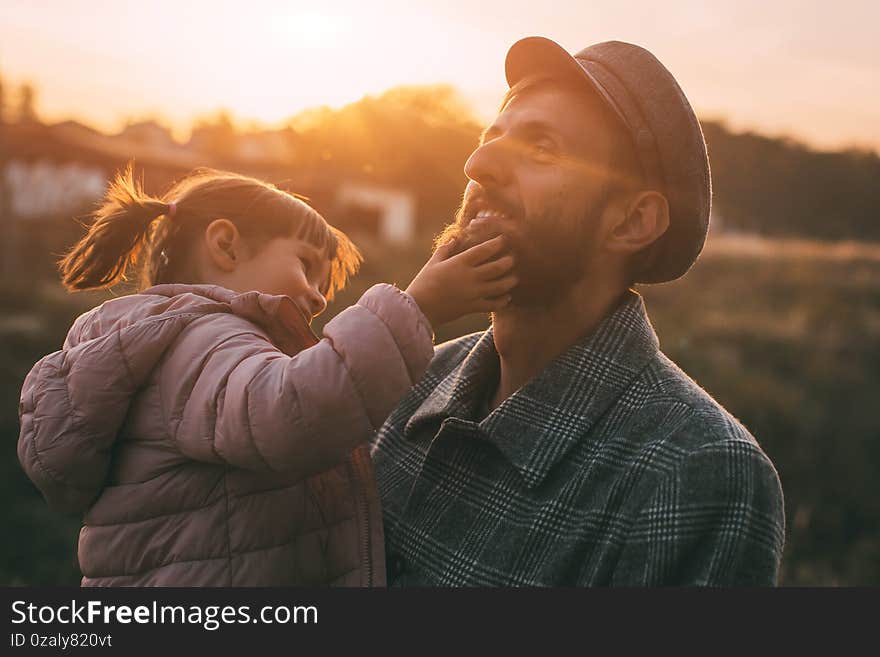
(363, 502)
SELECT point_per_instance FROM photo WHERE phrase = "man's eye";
(543, 149)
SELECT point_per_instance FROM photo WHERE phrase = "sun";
(315, 29)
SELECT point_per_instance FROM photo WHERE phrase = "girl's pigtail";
(116, 237)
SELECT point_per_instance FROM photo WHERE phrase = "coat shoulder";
(681, 422)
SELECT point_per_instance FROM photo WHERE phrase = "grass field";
(784, 333)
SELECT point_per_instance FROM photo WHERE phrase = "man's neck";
(528, 339)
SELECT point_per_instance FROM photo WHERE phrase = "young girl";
(205, 432)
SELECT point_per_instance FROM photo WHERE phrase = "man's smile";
(480, 205)
(490, 214)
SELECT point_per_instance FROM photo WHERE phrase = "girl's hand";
(477, 280)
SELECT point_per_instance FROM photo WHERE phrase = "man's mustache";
(461, 232)
(478, 197)
(465, 234)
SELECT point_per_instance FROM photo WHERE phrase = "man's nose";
(489, 164)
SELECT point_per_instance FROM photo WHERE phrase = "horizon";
(113, 71)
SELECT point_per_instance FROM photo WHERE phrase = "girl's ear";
(224, 245)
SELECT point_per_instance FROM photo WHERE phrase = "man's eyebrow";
(537, 126)
(534, 126)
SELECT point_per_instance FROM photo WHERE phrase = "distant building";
(148, 133)
(147, 142)
(73, 131)
(265, 147)
(387, 213)
(44, 189)
(55, 171)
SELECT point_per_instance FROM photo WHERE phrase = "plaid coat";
(611, 467)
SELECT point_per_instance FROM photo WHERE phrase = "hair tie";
(172, 209)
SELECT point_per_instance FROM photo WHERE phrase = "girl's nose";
(317, 302)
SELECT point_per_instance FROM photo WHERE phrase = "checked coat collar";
(537, 425)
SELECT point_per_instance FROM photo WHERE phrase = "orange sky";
(803, 68)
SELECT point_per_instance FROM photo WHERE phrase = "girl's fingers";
(443, 251)
(484, 251)
(498, 287)
(495, 268)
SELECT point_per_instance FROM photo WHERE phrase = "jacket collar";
(278, 315)
(536, 426)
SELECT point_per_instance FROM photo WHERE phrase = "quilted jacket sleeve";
(251, 406)
(72, 405)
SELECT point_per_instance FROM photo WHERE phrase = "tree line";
(418, 138)
(780, 187)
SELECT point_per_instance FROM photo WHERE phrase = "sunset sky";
(803, 68)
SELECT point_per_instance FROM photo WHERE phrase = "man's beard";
(552, 253)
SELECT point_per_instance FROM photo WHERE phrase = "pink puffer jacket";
(211, 442)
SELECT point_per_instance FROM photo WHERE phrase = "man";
(560, 446)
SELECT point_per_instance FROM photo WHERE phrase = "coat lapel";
(536, 426)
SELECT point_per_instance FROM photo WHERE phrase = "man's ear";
(644, 219)
(224, 244)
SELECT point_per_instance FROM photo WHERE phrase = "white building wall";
(396, 209)
(44, 188)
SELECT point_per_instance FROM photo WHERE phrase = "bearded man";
(561, 447)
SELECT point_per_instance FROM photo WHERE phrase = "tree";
(215, 136)
(27, 96)
(2, 103)
(411, 137)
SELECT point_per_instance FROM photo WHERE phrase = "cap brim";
(540, 57)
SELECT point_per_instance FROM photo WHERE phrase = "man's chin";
(543, 284)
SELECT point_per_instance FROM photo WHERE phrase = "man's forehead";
(556, 108)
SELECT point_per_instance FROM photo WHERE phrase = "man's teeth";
(490, 214)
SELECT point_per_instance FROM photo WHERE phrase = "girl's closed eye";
(312, 268)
